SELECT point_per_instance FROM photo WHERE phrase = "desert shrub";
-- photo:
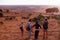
(16, 13)
(1, 23)
(48, 17)
(7, 10)
(34, 19)
(1, 10)
(29, 14)
(9, 18)
(25, 17)
(39, 17)
(1, 15)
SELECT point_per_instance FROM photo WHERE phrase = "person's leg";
(29, 32)
(22, 31)
(43, 33)
(47, 31)
(46, 34)
(36, 35)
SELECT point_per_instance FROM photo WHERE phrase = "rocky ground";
(10, 31)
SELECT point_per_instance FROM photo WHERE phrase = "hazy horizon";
(26, 6)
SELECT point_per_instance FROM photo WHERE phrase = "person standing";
(21, 28)
(28, 28)
(37, 26)
(45, 27)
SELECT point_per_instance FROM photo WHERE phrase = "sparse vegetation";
(39, 17)
(1, 15)
(16, 13)
(1, 10)
(35, 18)
(9, 23)
(9, 18)
(7, 10)
(48, 17)
(1, 22)
(29, 14)
(25, 17)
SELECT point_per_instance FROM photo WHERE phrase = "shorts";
(45, 28)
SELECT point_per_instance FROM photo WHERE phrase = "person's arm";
(47, 23)
(39, 26)
(32, 26)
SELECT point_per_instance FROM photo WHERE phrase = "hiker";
(21, 28)
(28, 28)
(37, 27)
(45, 27)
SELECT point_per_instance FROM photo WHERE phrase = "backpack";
(28, 27)
(45, 25)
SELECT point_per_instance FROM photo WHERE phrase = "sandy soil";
(10, 29)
